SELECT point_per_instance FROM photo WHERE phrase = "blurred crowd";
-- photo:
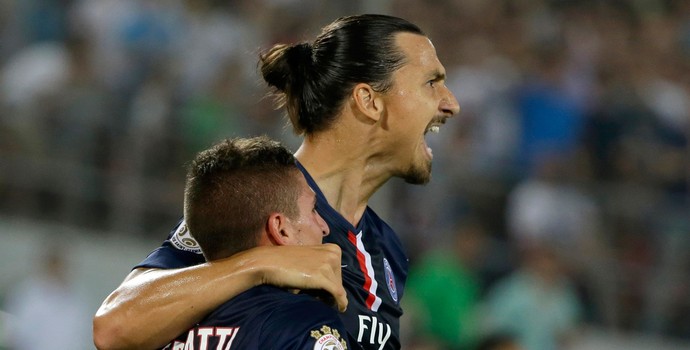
(559, 197)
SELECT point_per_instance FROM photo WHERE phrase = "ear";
(367, 101)
(278, 229)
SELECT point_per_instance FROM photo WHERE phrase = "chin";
(418, 175)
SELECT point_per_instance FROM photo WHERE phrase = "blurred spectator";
(665, 307)
(104, 23)
(34, 72)
(208, 36)
(47, 310)
(551, 121)
(555, 206)
(47, 19)
(538, 303)
(444, 288)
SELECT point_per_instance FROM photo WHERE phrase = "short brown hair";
(231, 190)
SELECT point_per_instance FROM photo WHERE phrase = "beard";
(418, 174)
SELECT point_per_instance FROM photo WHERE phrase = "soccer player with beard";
(363, 95)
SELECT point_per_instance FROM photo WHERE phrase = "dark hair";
(231, 190)
(313, 79)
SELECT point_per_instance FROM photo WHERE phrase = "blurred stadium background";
(571, 150)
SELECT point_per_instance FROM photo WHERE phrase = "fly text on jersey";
(372, 331)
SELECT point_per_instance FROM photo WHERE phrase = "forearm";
(152, 307)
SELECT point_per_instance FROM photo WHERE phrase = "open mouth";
(433, 127)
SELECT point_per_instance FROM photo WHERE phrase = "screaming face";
(418, 103)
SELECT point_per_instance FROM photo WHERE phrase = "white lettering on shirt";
(224, 335)
(379, 332)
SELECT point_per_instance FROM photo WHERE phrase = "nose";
(449, 105)
(323, 225)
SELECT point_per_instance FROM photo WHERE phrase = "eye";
(432, 83)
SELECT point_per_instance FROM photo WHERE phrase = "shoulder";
(303, 309)
(305, 323)
(380, 226)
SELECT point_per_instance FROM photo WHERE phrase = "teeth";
(434, 129)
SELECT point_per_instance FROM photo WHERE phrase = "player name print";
(209, 338)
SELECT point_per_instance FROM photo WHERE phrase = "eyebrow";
(438, 75)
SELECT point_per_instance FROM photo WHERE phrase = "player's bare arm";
(153, 306)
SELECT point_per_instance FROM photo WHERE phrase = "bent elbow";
(107, 334)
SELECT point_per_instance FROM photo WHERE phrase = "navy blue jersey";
(267, 317)
(374, 269)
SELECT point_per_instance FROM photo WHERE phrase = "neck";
(348, 169)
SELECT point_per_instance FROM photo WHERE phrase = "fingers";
(338, 291)
(304, 267)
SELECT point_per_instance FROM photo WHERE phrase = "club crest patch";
(183, 240)
(390, 280)
(328, 339)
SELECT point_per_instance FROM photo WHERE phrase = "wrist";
(248, 265)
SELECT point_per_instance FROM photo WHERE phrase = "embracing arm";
(153, 306)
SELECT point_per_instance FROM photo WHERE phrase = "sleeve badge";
(183, 240)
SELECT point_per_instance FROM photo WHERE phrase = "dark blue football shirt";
(267, 317)
(374, 269)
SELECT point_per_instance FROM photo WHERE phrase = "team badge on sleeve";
(183, 240)
(390, 280)
(328, 339)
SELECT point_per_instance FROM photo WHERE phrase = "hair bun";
(303, 53)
